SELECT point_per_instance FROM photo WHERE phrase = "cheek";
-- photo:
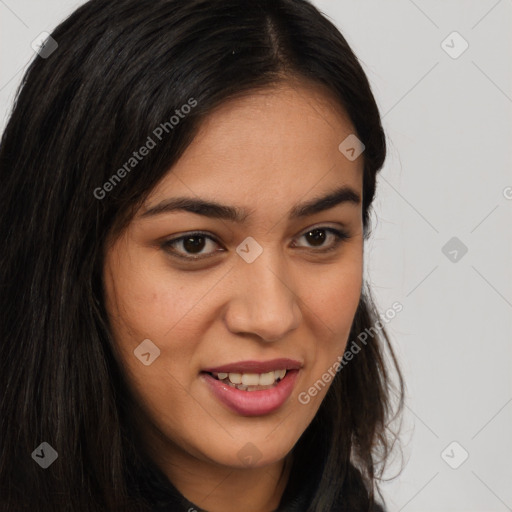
(333, 293)
(143, 304)
(332, 299)
(149, 300)
(150, 305)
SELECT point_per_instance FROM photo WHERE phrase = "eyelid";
(192, 234)
(341, 235)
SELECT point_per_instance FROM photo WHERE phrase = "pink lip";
(256, 366)
(253, 403)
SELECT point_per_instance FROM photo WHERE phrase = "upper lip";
(256, 366)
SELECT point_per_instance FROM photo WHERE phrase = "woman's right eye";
(191, 244)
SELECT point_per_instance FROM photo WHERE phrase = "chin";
(251, 455)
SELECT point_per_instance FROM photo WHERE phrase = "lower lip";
(253, 403)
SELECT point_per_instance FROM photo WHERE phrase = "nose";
(264, 302)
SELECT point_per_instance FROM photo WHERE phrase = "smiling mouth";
(250, 381)
(248, 393)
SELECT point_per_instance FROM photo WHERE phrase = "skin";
(264, 152)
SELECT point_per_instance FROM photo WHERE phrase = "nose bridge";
(265, 302)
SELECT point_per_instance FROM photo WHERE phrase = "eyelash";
(341, 236)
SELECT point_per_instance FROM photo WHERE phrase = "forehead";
(276, 145)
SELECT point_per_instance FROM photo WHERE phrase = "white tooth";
(250, 379)
(222, 376)
(267, 379)
(235, 378)
(281, 373)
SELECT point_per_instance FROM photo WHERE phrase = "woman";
(186, 189)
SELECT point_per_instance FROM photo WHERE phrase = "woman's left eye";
(318, 236)
(193, 244)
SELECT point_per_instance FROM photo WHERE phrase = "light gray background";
(448, 122)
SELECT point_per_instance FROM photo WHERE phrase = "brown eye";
(316, 238)
(194, 244)
(190, 246)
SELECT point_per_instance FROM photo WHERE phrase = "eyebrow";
(216, 210)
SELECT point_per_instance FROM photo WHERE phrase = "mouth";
(253, 388)
(250, 381)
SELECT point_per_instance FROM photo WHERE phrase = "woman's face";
(244, 293)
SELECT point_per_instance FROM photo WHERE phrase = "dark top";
(296, 498)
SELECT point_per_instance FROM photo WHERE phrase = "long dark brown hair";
(121, 69)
